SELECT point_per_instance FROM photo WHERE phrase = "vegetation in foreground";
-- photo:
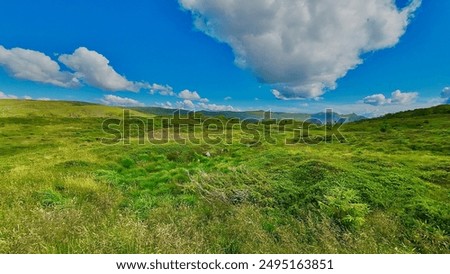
(385, 190)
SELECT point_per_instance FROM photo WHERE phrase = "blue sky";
(219, 55)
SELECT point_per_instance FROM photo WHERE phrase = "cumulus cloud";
(301, 47)
(376, 100)
(186, 104)
(7, 96)
(189, 95)
(94, 69)
(35, 66)
(162, 90)
(214, 107)
(114, 100)
(88, 66)
(192, 96)
(397, 98)
(404, 98)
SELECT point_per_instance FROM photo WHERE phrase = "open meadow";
(384, 189)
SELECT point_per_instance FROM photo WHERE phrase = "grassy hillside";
(385, 190)
(423, 131)
(30, 108)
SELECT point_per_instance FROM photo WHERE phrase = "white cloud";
(26, 97)
(167, 104)
(278, 95)
(214, 107)
(228, 98)
(94, 69)
(162, 90)
(189, 95)
(44, 99)
(88, 66)
(120, 101)
(281, 96)
(404, 98)
(7, 96)
(35, 66)
(376, 100)
(301, 47)
(186, 104)
(192, 96)
(190, 105)
(397, 98)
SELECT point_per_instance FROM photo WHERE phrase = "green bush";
(344, 207)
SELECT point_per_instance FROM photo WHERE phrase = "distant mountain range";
(83, 109)
(257, 115)
(70, 109)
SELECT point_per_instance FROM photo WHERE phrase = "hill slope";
(24, 108)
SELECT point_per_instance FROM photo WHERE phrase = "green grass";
(58, 109)
(385, 190)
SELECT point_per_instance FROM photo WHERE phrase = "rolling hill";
(25, 108)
